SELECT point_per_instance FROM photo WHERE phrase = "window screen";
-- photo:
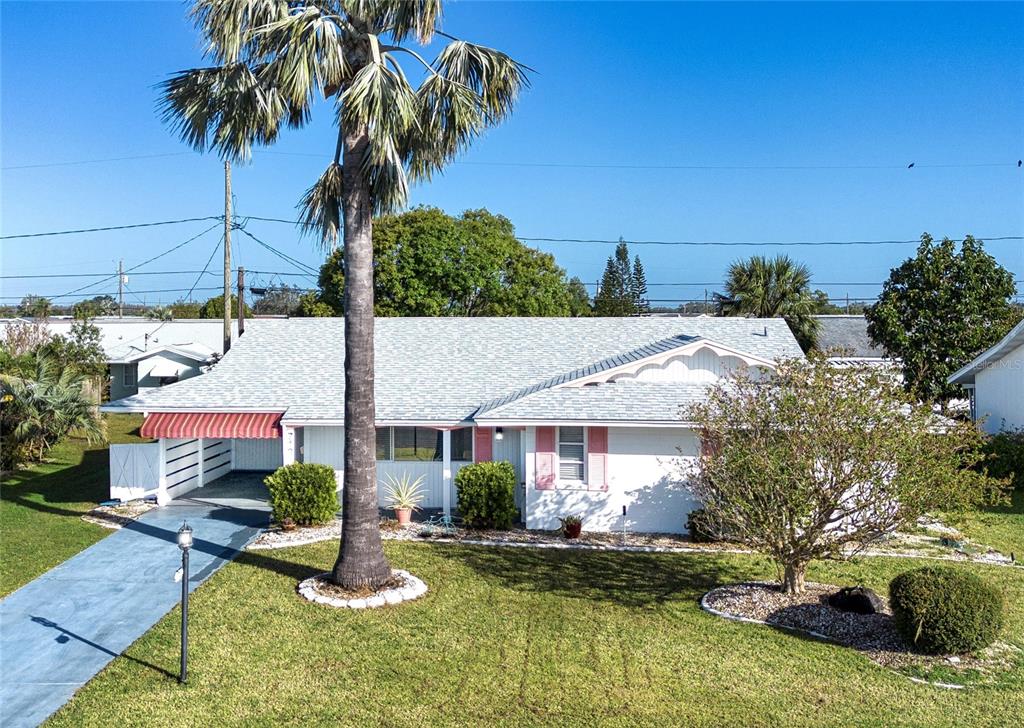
(570, 453)
(384, 443)
(462, 444)
(417, 443)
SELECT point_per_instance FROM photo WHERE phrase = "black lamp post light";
(184, 543)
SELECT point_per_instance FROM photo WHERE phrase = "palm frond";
(320, 208)
(228, 108)
(450, 116)
(228, 25)
(401, 18)
(305, 54)
(494, 76)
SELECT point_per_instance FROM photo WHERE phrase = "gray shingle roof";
(435, 369)
(848, 334)
(621, 401)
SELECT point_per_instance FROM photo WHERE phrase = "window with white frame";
(130, 375)
(571, 452)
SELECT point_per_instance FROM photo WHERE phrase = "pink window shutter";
(545, 458)
(597, 458)
(482, 445)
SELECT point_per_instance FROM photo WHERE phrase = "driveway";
(58, 631)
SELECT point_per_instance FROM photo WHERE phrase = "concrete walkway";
(58, 631)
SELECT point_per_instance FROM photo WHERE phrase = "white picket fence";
(166, 469)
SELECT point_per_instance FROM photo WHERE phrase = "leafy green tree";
(96, 306)
(428, 263)
(214, 307)
(279, 301)
(310, 305)
(771, 288)
(81, 349)
(274, 62)
(185, 309)
(818, 461)
(579, 299)
(938, 310)
(34, 306)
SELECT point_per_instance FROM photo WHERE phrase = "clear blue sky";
(727, 85)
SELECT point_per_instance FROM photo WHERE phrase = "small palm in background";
(770, 288)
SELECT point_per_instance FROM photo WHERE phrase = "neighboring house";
(143, 353)
(133, 369)
(995, 382)
(844, 338)
(587, 410)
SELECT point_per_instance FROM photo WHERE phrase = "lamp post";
(184, 543)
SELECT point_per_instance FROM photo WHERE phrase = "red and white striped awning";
(247, 425)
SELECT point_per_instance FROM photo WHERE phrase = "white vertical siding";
(643, 475)
(184, 460)
(999, 393)
(258, 453)
(326, 445)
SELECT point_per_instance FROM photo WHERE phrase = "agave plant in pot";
(404, 495)
(572, 526)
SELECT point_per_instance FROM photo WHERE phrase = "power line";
(94, 161)
(113, 293)
(144, 273)
(749, 243)
(110, 227)
(307, 270)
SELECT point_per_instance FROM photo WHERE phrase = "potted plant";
(403, 495)
(572, 526)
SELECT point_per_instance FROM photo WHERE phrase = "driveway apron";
(60, 630)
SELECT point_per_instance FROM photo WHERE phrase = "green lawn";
(1001, 527)
(520, 637)
(41, 507)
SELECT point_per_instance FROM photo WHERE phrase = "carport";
(192, 450)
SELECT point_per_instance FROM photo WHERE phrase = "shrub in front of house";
(698, 523)
(303, 493)
(486, 494)
(942, 610)
(1005, 456)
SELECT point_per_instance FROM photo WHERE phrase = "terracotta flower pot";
(572, 530)
(404, 516)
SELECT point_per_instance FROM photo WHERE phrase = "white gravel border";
(816, 635)
(414, 588)
(317, 538)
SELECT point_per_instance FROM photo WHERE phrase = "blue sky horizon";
(651, 121)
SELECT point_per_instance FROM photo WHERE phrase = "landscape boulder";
(857, 599)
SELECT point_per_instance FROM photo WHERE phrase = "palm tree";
(44, 407)
(273, 61)
(767, 288)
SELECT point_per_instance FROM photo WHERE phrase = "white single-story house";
(995, 382)
(133, 369)
(143, 353)
(587, 410)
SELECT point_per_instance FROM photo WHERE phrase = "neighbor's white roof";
(441, 370)
(1006, 345)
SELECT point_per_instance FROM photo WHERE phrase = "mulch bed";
(331, 589)
(874, 635)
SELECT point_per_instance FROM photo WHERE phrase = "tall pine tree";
(623, 289)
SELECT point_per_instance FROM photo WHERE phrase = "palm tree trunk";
(361, 559)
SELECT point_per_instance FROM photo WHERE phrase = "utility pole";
(227, 256)
(241, 301)
(120, 288)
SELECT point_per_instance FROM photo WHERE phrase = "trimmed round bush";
(486, 494)
(304, 493)
(945, 611)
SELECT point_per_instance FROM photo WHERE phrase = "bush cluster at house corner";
(486, 494)
(821, 461)
(427, 263)
(943, 610)
(305, 494)
(1005, 456)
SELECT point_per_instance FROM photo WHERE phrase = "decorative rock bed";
(873, 635)
(901, 546)
(320, 590)
(118, 516)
